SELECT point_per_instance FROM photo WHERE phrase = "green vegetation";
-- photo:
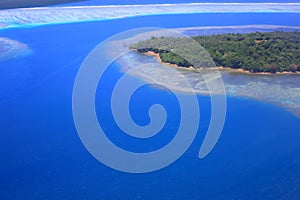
(255, 52)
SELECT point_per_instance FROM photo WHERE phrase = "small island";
(257, 52)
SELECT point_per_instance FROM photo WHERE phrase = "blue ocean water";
(134, 2)
(42, 157)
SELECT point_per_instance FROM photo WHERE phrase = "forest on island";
(255, 52)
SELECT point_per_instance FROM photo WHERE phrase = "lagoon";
(257, 156)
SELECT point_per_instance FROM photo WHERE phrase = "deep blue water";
(42, 157)
(134, 2)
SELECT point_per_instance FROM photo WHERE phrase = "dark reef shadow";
(9, 4)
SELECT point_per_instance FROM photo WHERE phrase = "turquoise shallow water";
(42, 157)
(283, 89)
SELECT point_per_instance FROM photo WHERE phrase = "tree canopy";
(255, 52)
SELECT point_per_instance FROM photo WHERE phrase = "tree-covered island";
(269, 52)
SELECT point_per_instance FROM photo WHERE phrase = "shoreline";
(220, 68)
